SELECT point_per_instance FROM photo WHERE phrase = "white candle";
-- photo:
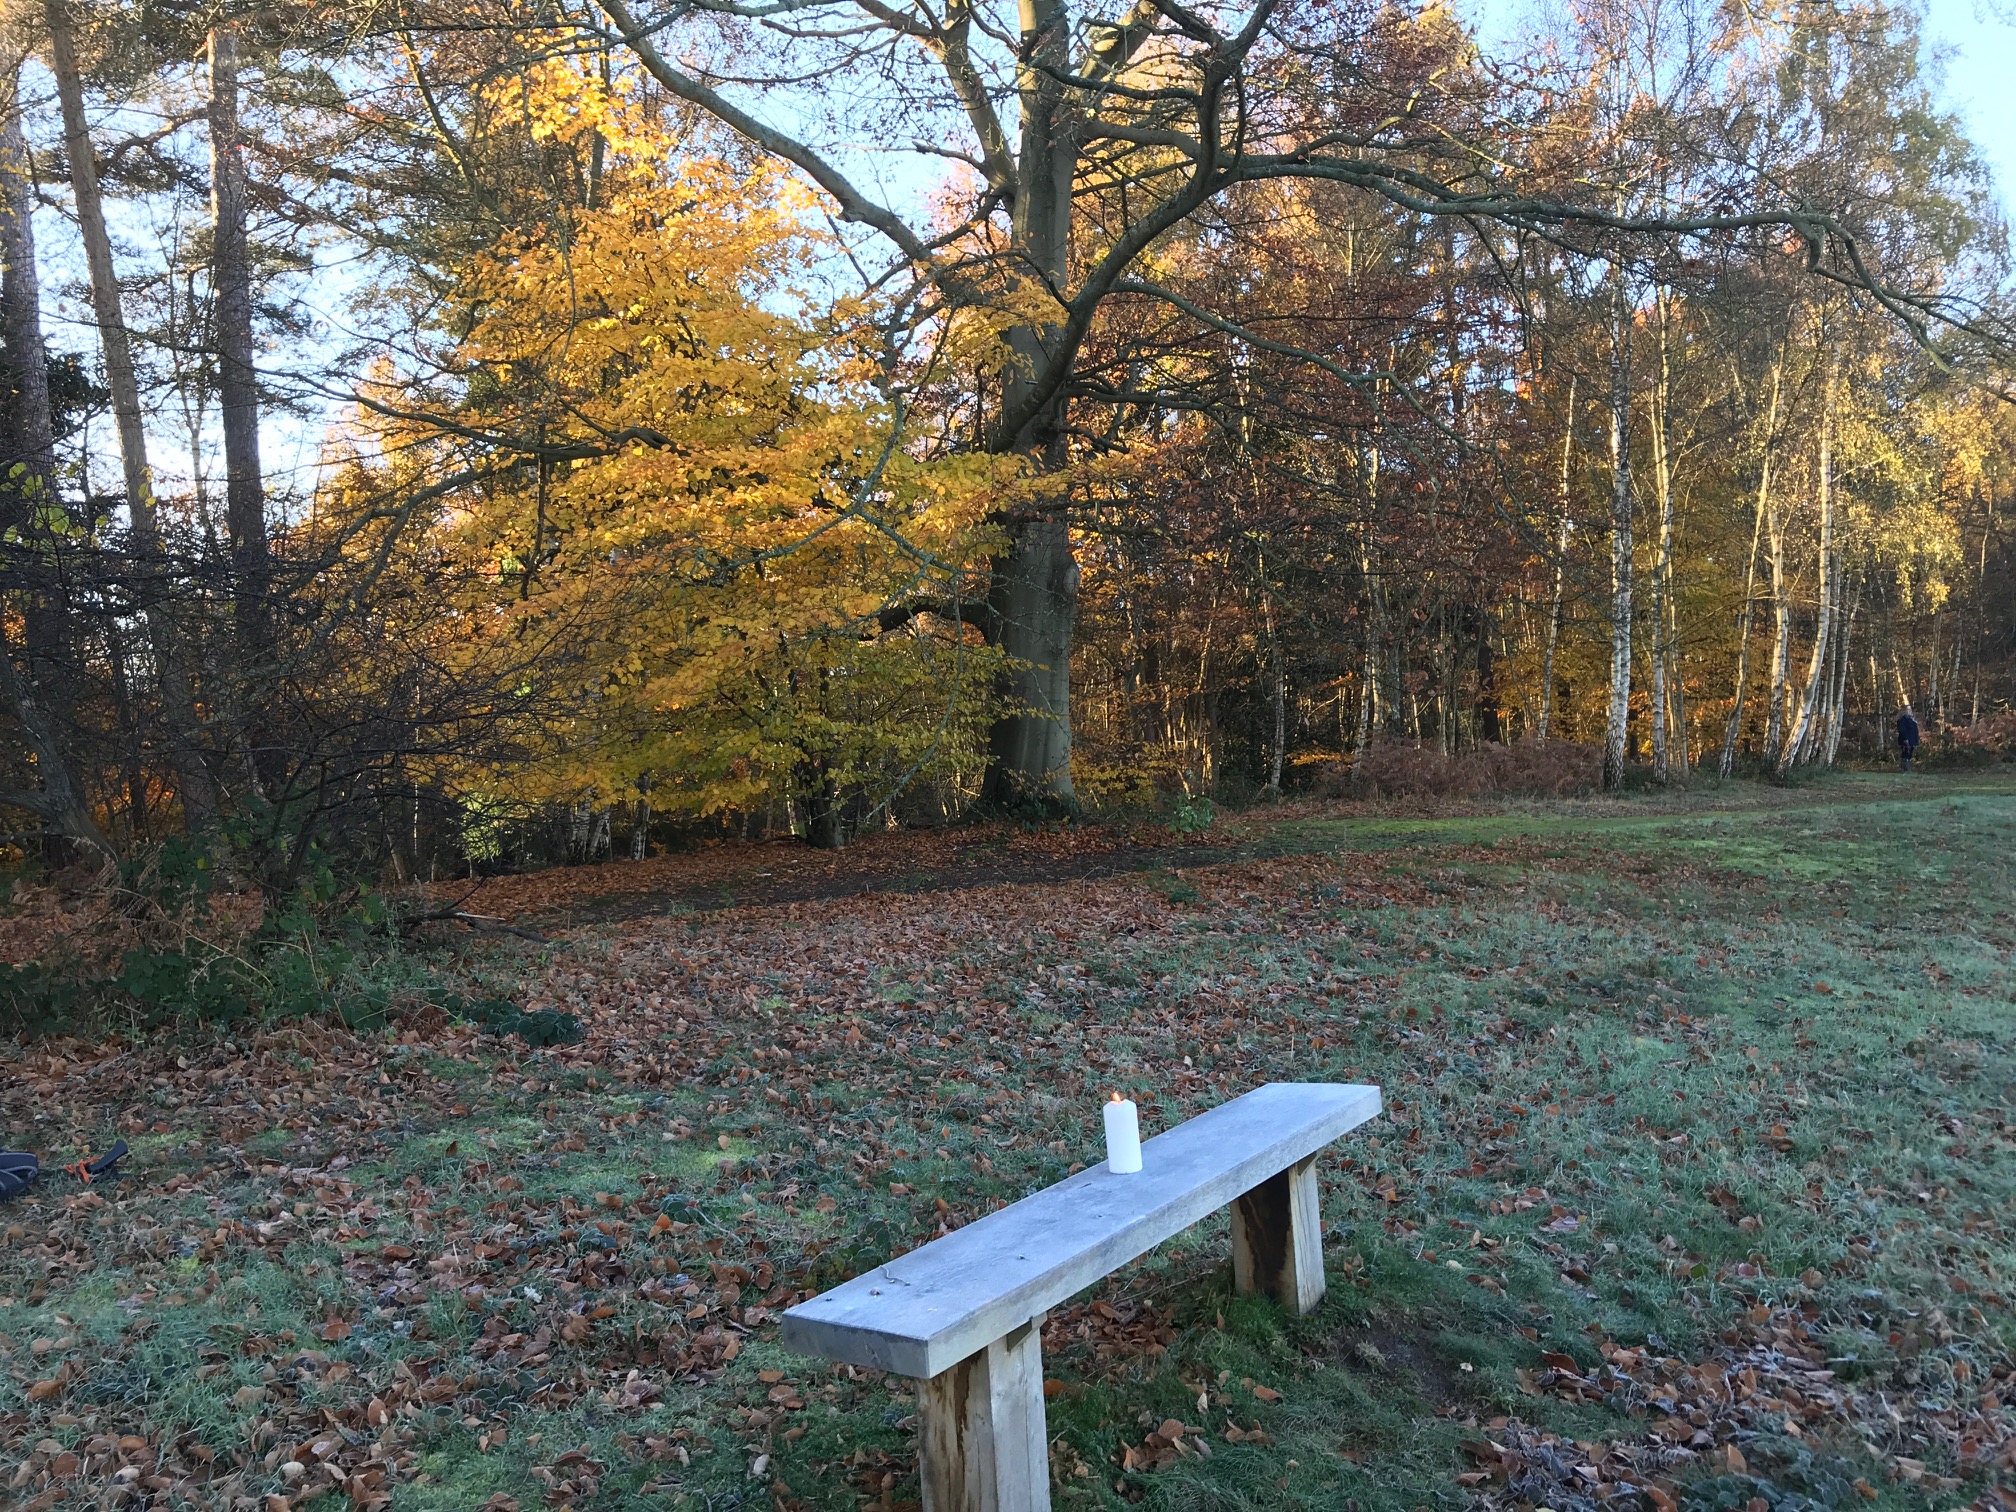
(1123, 1136)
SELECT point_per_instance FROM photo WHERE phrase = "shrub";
(1967, 747)
(501, 1016)
(177, 936)
(1190, 816)
(1403, 769)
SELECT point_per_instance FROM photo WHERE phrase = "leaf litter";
(476, 1239)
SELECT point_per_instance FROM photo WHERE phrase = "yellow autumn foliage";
(689, 502)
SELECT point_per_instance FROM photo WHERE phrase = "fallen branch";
(475, 921)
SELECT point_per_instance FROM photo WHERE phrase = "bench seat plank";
(924, 1312)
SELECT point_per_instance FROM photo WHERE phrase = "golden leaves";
(693, 506)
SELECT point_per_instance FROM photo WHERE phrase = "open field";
(1697, 1184)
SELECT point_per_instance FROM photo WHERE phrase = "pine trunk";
(197, 789)
(27, 483)
(30, 428)
(237, 383)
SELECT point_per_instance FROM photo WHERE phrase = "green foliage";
(1642, 1112)
(195, 943)
(500, 1016)
(1191, 815)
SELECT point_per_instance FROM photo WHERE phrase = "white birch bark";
(1727, 766)
(1618, 722)
(1564, 530)
(1837, 707)
(1802, 729)
(1781, 646)
(1662, 564)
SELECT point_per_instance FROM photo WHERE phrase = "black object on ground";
(20, 1169)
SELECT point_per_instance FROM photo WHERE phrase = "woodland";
(647, 646)
(445, 439)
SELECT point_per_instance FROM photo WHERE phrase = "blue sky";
(1970, 45)
(1973, 41)
(1980, 67)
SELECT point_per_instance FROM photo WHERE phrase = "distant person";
(1907, 736)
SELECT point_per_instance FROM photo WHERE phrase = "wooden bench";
(964, 1314)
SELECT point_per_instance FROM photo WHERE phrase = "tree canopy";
(807, 414)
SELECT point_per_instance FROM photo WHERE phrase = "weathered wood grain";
(982, 1445)
(1277, 1239)
(927, 1311)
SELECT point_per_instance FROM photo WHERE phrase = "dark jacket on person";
(1907, 732)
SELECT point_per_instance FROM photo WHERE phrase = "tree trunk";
(1034, 601)
(1662, 563)
(30, 429)
(1981, 598)
(1837, 709)
(1935, 692)
(36, 695)
(1563, 531)
(58, 802)
(1035, 583)
(30, 445)
(197, 790)
(640, 830)
(1370, 671)
(825, 827)
(1278, 751)
(1618, 723)
(1728, 763)
(237, 383)
(1490, 718)
(1803, 727)
(1781, 649)
(1445, 684)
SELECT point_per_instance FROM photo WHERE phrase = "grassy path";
(1696, 1187)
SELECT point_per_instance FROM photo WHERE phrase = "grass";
(1677, 1090)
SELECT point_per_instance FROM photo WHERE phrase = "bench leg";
(1277, 1239)
(982, 1444)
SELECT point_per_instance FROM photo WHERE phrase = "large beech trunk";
(1034, 596)
(1034, 603)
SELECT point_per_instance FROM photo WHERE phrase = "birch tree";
(1081, 142)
